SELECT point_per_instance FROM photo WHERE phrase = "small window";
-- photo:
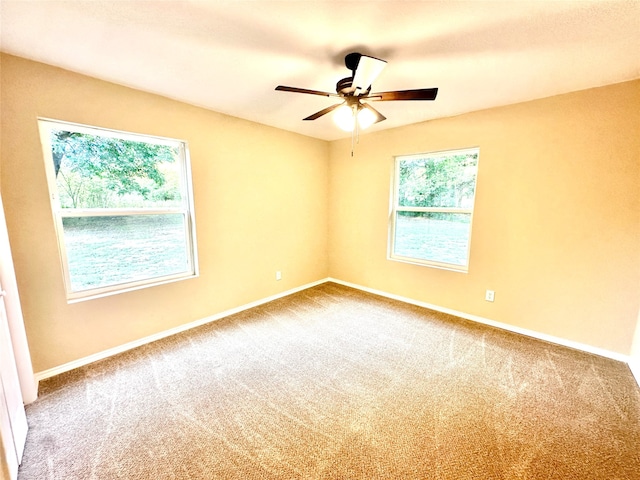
(122, 206)
(432, 208)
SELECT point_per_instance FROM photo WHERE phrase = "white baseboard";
(635, 367)
(504, 326)
(81, 362)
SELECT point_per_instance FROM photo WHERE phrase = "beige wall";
(556, 229)
(635, 347)
(260, 202)
(634, 359)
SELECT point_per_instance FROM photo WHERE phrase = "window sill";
(426, 263)
(78, 297)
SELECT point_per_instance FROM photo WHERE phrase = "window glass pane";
(106, 251)
(93, 171)
(439, 237)
(143, 181)
(438, 180)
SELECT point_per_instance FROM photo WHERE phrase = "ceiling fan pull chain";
(353, 135)
(355, 130)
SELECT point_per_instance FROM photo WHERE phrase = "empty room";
(319, 239)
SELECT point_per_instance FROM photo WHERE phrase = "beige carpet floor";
(334, 383)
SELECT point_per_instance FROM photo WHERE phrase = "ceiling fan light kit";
(345, 117)
(354, 114)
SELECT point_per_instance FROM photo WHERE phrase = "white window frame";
(395, 209)
(45, 126)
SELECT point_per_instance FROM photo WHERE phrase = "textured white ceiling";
(229, 56)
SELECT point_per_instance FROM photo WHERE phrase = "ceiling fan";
(353, 111)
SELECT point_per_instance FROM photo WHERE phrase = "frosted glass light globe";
(344, 119)
(366, 118)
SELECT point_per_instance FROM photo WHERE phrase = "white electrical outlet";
(278, 275)
(490, 295)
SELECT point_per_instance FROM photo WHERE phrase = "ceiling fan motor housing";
(345, 86)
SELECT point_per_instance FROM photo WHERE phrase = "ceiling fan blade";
(379, 116)
(419, 94)
(367, 71)
(323, 112)
(282, 88)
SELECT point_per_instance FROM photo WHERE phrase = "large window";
(432, 208)
(122, 206)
